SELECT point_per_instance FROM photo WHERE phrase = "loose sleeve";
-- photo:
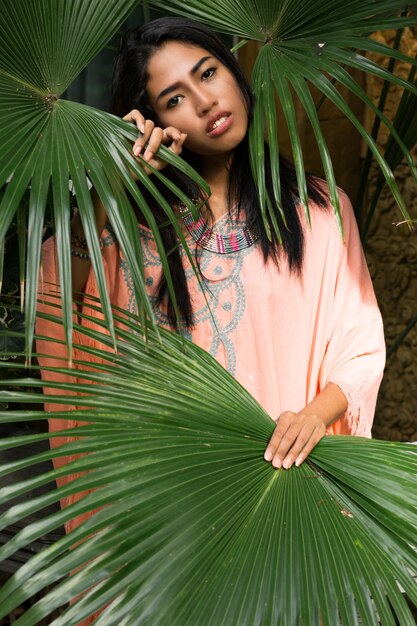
(355, 353)
(55, 354)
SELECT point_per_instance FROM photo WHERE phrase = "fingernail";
(177, 137)
(148, 155)
(268, 456)
(276, 463)
(298, 461)
(142, 128)
(287, 463)
(137, 150)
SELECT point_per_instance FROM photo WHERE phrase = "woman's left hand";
(293, 439)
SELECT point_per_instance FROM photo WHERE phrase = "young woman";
(297, 324)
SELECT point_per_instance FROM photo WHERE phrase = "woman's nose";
(204, 103)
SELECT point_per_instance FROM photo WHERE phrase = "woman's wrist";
(329, 405)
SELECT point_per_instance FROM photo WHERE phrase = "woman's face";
(193, 91)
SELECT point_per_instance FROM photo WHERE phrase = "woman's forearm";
(329, 404)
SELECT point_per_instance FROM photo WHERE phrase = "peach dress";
(282, 335)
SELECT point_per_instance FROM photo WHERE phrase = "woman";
(297, 324)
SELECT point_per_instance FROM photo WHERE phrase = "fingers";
(149, 135)
(281, 440)
(160, 136)
(145, 128)
(137, 118)
(176, 138)
(298, 455)
(147, 131)
(153, 136)
(293, 439)
(150, 139)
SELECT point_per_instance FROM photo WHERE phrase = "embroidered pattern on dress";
(109, 239)
(221, 290)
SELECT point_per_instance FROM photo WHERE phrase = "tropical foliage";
(302, 48)
(47, 141)
(405, 125)
(193, 526)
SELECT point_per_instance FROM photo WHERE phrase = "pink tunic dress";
(283, 335)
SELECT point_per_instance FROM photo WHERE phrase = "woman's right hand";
(154, 136)
(150, 136)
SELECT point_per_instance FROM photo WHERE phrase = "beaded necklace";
(206, 238)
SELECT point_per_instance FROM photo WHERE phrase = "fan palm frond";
(192, 526)
(48, 142)
(305, 46)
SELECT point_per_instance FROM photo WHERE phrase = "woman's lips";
(222, 124)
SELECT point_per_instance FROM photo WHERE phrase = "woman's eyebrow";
(175, 86)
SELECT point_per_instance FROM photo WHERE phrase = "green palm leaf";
(193, 526)
(404, 126)
(47, 142)
(301, 46)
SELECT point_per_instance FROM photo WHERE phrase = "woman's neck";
(216, 174)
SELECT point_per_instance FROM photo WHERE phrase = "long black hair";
(129, 84)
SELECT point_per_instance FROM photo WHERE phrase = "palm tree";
(193, 523)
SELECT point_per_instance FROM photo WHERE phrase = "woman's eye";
(172, 102)
(208, 73)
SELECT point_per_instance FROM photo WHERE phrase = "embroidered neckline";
(206, 237)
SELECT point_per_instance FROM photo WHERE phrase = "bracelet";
(78, 241)
(81, 255)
